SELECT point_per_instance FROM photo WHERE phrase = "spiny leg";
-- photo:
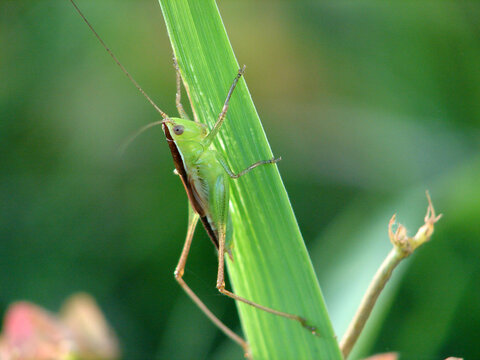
(221, 117)
(233, 175)
(220, 203)
(221, 288)
(178, 96)
(179, 271)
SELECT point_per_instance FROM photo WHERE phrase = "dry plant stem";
(357, 324)
(403, 246)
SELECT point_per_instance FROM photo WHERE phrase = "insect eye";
(178, 129)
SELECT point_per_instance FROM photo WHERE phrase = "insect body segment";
(203, 177)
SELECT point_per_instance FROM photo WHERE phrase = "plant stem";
(403, 246)
(376, 286)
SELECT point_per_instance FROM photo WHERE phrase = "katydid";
(206, 176)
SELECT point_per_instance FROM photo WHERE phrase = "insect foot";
(247, 354)
(241, 71)
(311, 328)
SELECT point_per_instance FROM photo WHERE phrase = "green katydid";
(206, 177)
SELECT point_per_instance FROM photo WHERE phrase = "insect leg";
(221, 288)
(233, 175)
(179, 271)
(178, 96)
(221, 117)
(220, 205)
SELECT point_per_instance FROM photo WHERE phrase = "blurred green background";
(368, 103)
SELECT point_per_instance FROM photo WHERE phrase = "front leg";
(211, 135)
(178, 96)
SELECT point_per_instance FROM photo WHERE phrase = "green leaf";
(271, 265)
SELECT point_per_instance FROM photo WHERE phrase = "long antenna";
(132, 137)
(165, 116)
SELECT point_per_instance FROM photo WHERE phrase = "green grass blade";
(271, 265)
